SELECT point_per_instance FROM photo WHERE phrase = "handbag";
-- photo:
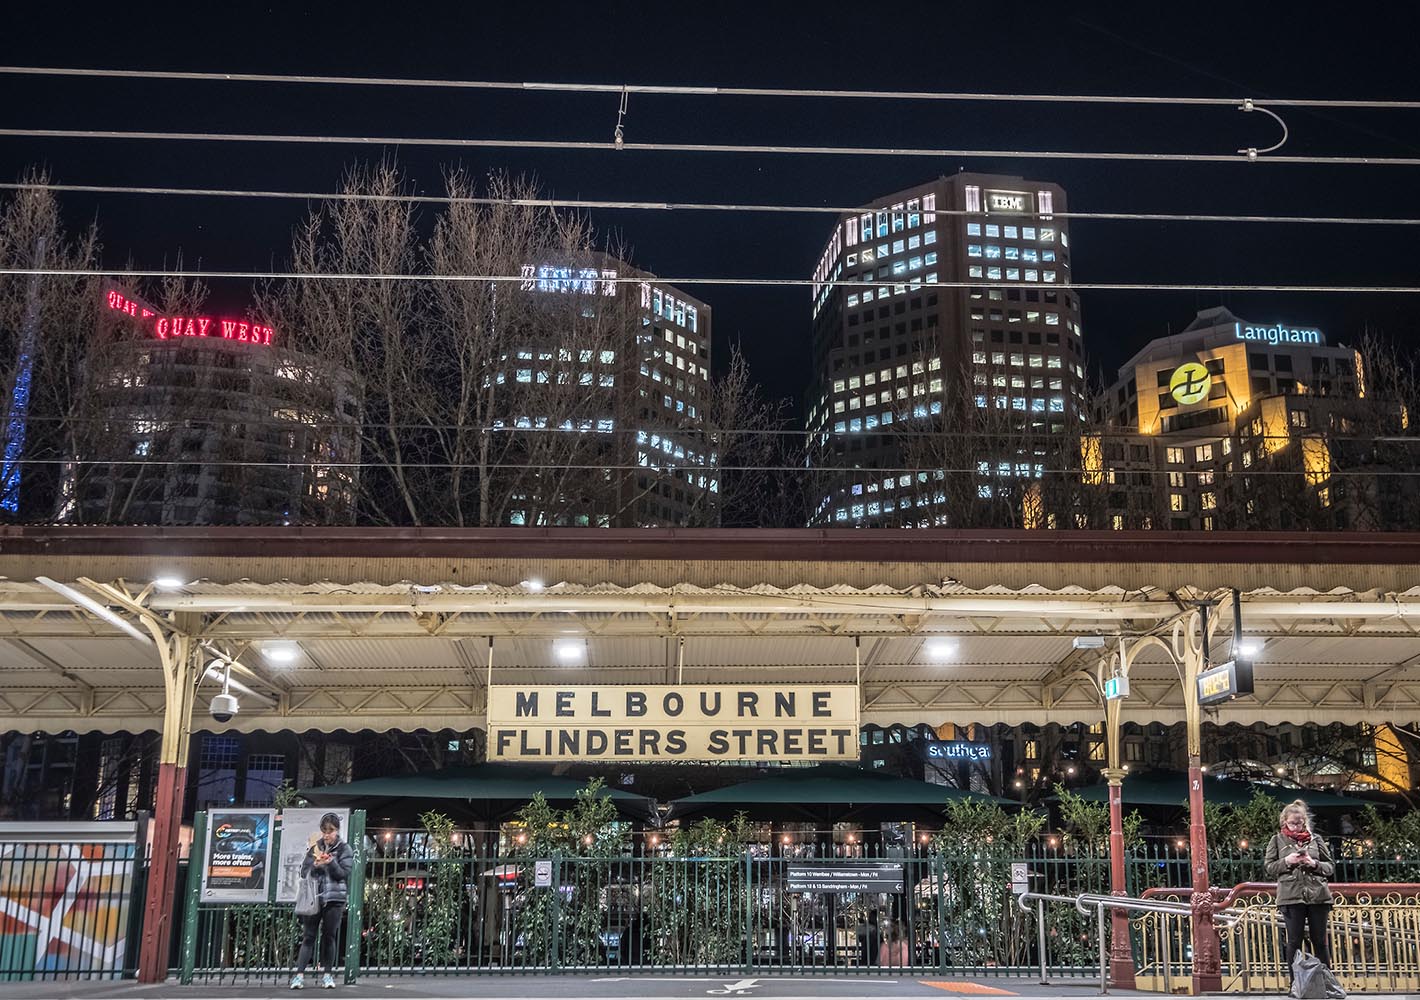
(307, 897)
(1313, 981)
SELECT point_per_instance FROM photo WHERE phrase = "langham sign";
(812, 722)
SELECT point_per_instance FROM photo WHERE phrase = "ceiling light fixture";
(281, 652)
(169, 582)
(568, 649)
(941, 649)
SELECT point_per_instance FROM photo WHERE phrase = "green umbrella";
(1170, 788)
(828, 793)
(481, 791)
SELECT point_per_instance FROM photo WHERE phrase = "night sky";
(1357, 51)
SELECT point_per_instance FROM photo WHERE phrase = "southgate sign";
(811, 722)
(1279, 334)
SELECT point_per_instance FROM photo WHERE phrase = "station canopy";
(402, 628)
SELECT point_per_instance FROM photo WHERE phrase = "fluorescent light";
(1249, 647)
(281, 652)
(95, 608)
(169, 582)
(568, 649)
(941, 649)
(533, 585)
(1088, 642)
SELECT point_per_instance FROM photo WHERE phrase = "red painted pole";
(1121, 953)
(159, 905)
(1207, 961)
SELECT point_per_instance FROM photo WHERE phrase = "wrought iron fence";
(422, 912)
(1374, 943)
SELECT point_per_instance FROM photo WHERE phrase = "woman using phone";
(1302, 865)
(329, 859)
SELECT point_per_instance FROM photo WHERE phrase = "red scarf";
(1301, 836)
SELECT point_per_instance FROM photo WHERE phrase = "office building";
(621, 361)
(946, 353)
(1239, 424)
(190, 419)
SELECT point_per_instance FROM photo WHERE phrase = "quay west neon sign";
(1278, 334)
(172, 327)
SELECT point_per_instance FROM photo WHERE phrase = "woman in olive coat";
(1302, 866)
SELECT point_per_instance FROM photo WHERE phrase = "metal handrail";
(1102, 904)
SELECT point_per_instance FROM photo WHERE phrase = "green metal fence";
(257, 943)
(413, 912)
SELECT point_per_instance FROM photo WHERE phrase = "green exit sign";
(1116, 687)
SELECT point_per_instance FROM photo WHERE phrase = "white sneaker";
(327, 982)
(298, 982)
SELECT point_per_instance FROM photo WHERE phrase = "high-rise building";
(625, 366)
(1237, 424)
(189, 419)
(946, 355)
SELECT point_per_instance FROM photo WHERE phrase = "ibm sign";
(1007, 201)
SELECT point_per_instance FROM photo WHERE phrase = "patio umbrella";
(828, 793)
(484, 792)
(1170, 788)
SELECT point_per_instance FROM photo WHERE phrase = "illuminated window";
(1174, 456)
(1032, 750)
(973, 250)
(973, 229)
(1203, 453)
(1175, 501)
(1209, 501)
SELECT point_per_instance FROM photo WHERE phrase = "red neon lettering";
(147, 313)
(202, 324)
(266, 335)
(113, 299)
(190, 330)
(228, 329)
(243, 334)
(163, 328)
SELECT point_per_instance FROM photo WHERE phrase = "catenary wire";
(664, 468)
(588, 203)
(694, 147)
(1017, 437)
(657, 279)
(693, 91)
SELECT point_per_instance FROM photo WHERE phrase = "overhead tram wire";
(666, 469)
(694, 91)
(659, 279)
(689, 206)
(693, 147)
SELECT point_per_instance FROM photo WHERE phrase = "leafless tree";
(989, 464)
(45, 324)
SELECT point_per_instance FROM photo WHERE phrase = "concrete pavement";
(583, 987)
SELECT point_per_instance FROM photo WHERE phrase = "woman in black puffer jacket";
(329, 859)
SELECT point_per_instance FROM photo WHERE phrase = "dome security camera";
(224, 707)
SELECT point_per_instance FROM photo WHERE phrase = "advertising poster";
(299, 830)
(237, 856)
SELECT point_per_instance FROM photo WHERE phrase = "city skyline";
(1154, 53)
